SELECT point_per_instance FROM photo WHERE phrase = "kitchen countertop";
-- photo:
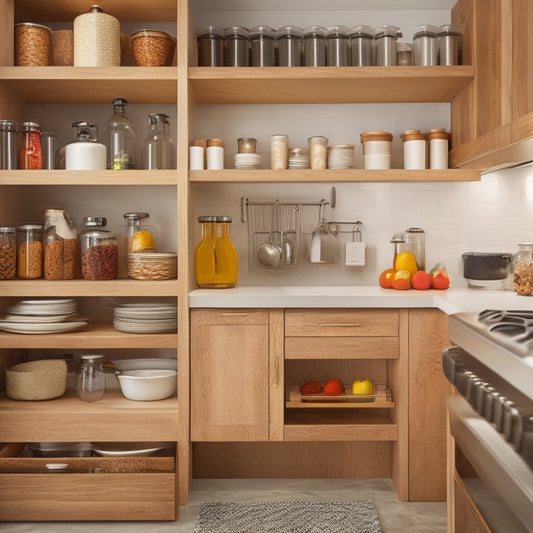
(352, 296)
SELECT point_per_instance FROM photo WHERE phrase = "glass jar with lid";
(8, 253)
(386, 38)
(91, 378)
(523, 269)
(236, 47)
(337, 46)
(29, 251)
(361, 41)
(31, 152)
(210, 43)
(290, 46)
(263, 46)
(158, 150)
(61, 248)
(216, 262)
(99, 254)
(135, 236)
(314, 46)
(8, 145)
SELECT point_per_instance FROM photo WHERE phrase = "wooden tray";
(381, 398)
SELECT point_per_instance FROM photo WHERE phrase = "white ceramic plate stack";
(146, 318)
(299, 158)
(248, 161)
(42, 316)
(341, 156)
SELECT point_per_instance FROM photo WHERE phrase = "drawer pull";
(340, 325)
(235, 314)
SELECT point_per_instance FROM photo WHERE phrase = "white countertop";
(351, 296)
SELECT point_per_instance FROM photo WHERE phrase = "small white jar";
(376, 150)
(318, 152)
(414, 150)
(438, 148)
(215, 154)
(279, 152)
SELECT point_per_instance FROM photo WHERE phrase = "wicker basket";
(37, 380)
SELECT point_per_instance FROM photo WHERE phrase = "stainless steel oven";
(491, 421)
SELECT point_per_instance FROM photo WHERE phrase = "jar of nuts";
(30, 251)
(8, 253)
(523, 269)
(99, 254)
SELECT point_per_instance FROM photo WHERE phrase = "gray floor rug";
(289, 517)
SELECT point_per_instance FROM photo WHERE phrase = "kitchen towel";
(289, 517)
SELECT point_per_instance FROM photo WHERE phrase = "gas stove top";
(501, 340)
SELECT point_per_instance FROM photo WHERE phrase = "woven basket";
(37, 380)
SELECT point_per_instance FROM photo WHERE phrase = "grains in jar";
(318, 152)
(29, 251)
(523, 270)
(32, 44)
(279, 152)
(99, 255)
(8, 254)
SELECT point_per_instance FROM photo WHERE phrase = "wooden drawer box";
(341, 333)
(91, 488)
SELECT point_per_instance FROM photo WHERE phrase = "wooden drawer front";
(229, 316)
(341, 347)
(341, 322)
(133, 488)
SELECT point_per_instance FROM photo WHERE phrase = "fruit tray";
(382, 397)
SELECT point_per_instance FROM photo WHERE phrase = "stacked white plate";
(299, 158)
(146, 318)
(248, 161)
(42, 316)
(341, 156)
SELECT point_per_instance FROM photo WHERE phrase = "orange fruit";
(421, 280)
(402, 280)
(386, 277)
(441, 281)
(333, 387)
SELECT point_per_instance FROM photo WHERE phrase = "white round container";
(147, 385)
(85, 156)
(196, 158)
(215, 154)
(376, 150)
(438, 148)
(96, 39)
(414, 150)
(376, 161)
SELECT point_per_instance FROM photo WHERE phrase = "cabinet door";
(229, 375)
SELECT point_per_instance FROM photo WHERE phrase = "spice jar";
(314, 46)
(8, 253)
(404, 54)
(263, 46)
(318, 152)
(425, 49)
(96, 39)
(215, 154)
(236, 47)
(158, 150)
(523, 269)
(386, 37)
(32, 44)
(61, 246)
(290, 46)
(439, 140)
(31, 154)
(135, 236)
(279, 151)
(337, 46)
(216, 262)
(29, 251)
(376, 149)
(361, 39)
(246, 145)
(210, 44)
(8, 145)
(91, 378)
(414, 150)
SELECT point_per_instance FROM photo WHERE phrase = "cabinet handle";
(235, 314)
(340, 325)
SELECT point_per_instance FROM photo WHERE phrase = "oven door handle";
(502, 470)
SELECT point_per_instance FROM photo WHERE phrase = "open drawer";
(86, 488)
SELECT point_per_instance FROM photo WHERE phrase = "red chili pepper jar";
(31, 154)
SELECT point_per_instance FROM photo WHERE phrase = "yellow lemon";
(142, 240)
(405, 261)
(362, 386)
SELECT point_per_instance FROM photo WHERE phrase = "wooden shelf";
(69, 419)
(348, 175)
(89, 177)
(85, 288)
(321, 85)
(92, 85)
(90, 336)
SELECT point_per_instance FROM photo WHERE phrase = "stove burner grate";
(517, 325)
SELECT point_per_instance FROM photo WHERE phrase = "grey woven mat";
(289, 517)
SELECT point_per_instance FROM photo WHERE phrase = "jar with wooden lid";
(414, 150)
(8, 253)
(32, 45)
(376, 149)
(215, 154)
(439, 140)
(29, 251)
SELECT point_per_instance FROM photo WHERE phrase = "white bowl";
(148, 385)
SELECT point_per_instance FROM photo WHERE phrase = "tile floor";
(395, 516)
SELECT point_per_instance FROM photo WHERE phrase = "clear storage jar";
(289, 41)
(279, 151)
(246, 145)
(210, 44)
(314, 46)
(29, 251)
(263, 46)
(8, 253)
(361, 44)
(158, 150)
(337, 46)
(318, 152)
(135, 236)
(91, 378)
(99, 254)
(31, 152)
(523, 270)
(236, 50)
(404, 54)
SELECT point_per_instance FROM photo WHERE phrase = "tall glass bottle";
(158, 150)
(120, 138)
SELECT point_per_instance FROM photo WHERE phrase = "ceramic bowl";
(147, 384)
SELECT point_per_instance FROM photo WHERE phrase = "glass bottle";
(31, 153)
(120, 138)
(91, 378)
(135, 236)
(61, 246)
(29, 251)
(216, 262)
(158, 149)
(8, 253)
